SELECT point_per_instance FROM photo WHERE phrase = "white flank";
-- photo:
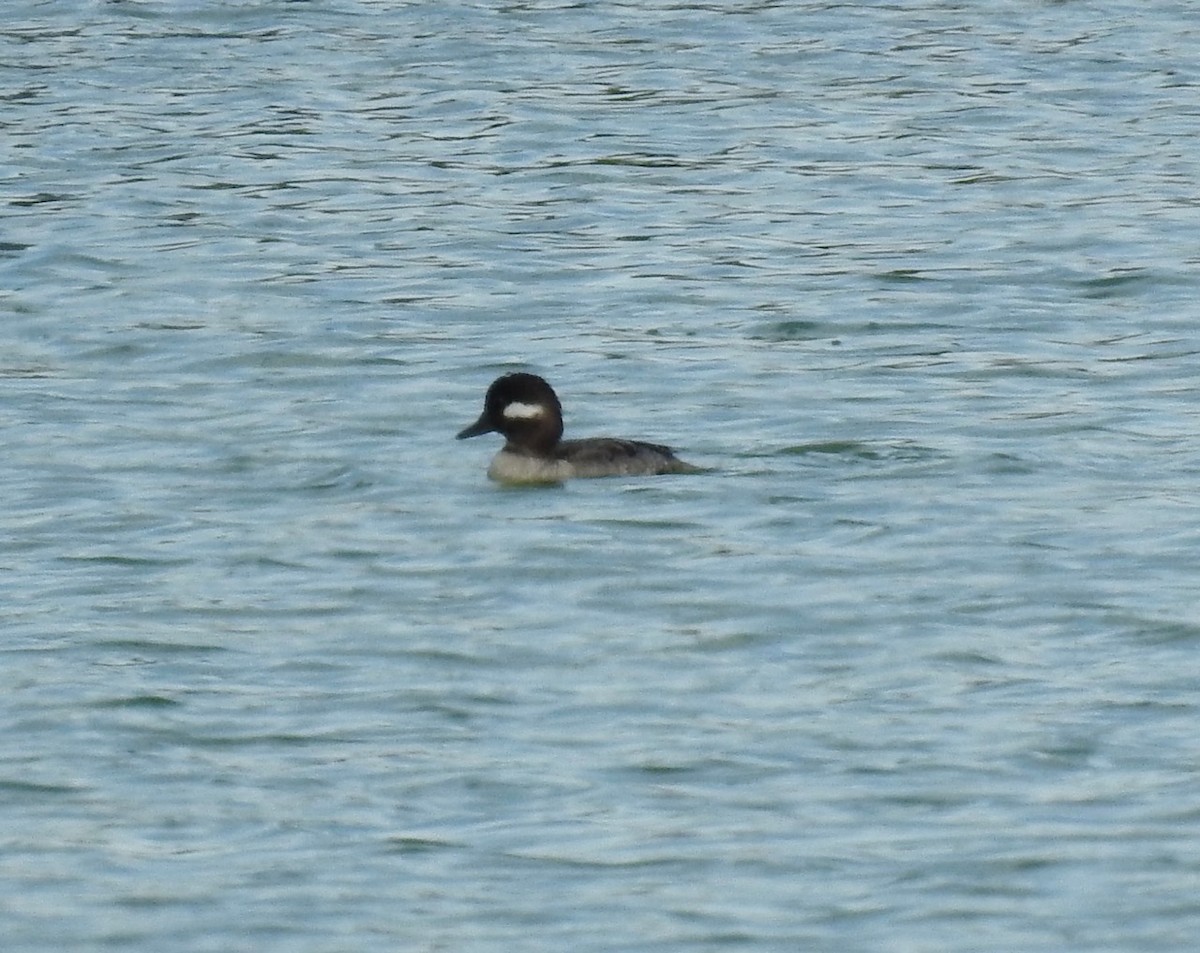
(519, 411)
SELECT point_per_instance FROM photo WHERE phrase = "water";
(914, 669)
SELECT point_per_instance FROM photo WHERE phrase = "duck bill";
(480, 426)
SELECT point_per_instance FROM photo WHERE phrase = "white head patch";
(519, 410)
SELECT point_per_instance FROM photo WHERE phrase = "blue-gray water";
(914, 669)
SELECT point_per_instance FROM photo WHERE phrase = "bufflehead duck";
(525, 409)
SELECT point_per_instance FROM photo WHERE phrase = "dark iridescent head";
(522, 407)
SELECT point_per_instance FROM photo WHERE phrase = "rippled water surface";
(913, 668)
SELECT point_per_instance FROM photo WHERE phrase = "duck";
(526, 411)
